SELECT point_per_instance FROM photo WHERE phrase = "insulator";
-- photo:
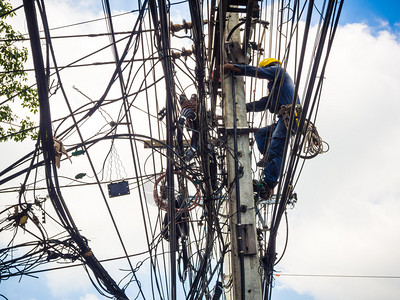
(176, 55)
(80, 175)
(78, 152)
(186, 52)
(186, 25)
(176, 27)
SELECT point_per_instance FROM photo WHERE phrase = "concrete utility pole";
(244, 260)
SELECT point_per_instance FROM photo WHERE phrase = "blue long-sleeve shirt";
(272, 72)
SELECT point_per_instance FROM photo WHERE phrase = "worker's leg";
(195, 134)
(179, 135)
(262, 137)
(194, 125)
(275, 154)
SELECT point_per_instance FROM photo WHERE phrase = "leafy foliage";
(13, 79)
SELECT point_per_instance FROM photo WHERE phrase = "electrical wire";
(201, 253)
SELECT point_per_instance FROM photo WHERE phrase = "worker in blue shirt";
(271, 139)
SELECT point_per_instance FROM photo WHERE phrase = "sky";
(344, 232)
(347, 225)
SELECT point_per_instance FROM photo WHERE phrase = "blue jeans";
(271, 142)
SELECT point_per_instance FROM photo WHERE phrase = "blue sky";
(354, 11)
(371, 13)
(288, 294)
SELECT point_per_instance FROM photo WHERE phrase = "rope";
(313, 143)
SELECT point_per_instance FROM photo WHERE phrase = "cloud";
(87, 206)
(89, 297)
(68, 282)
(345, 222)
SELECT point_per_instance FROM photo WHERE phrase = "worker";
(271, 139)
(188, 116)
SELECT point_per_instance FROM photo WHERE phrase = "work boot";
(263, 162)
(262, 189)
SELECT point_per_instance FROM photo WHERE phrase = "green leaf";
(12, 89)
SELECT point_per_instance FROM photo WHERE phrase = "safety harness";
(284, 113)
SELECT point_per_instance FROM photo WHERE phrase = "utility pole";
(244, 260)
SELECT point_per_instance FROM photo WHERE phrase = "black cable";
(294, 159)
(200, 276)
(54, 191)
(90, 35)
(286, 240)
(10, 11)
(163, 44)
(94, 20)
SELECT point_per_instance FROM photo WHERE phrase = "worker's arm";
(230, 67)
(263, 72)
(256, 106)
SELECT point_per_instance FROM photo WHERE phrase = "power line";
(339, 276)
(76, 36)
(94, 20)
(199, 244)
(93, 64)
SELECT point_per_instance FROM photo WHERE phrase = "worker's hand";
(230, 67)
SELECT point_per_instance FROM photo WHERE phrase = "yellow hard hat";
(268, 61)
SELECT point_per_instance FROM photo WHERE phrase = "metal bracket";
(248, 234)
(239, 130)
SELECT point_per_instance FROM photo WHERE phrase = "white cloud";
(63, 284)
(346, 220)
(89, 297)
